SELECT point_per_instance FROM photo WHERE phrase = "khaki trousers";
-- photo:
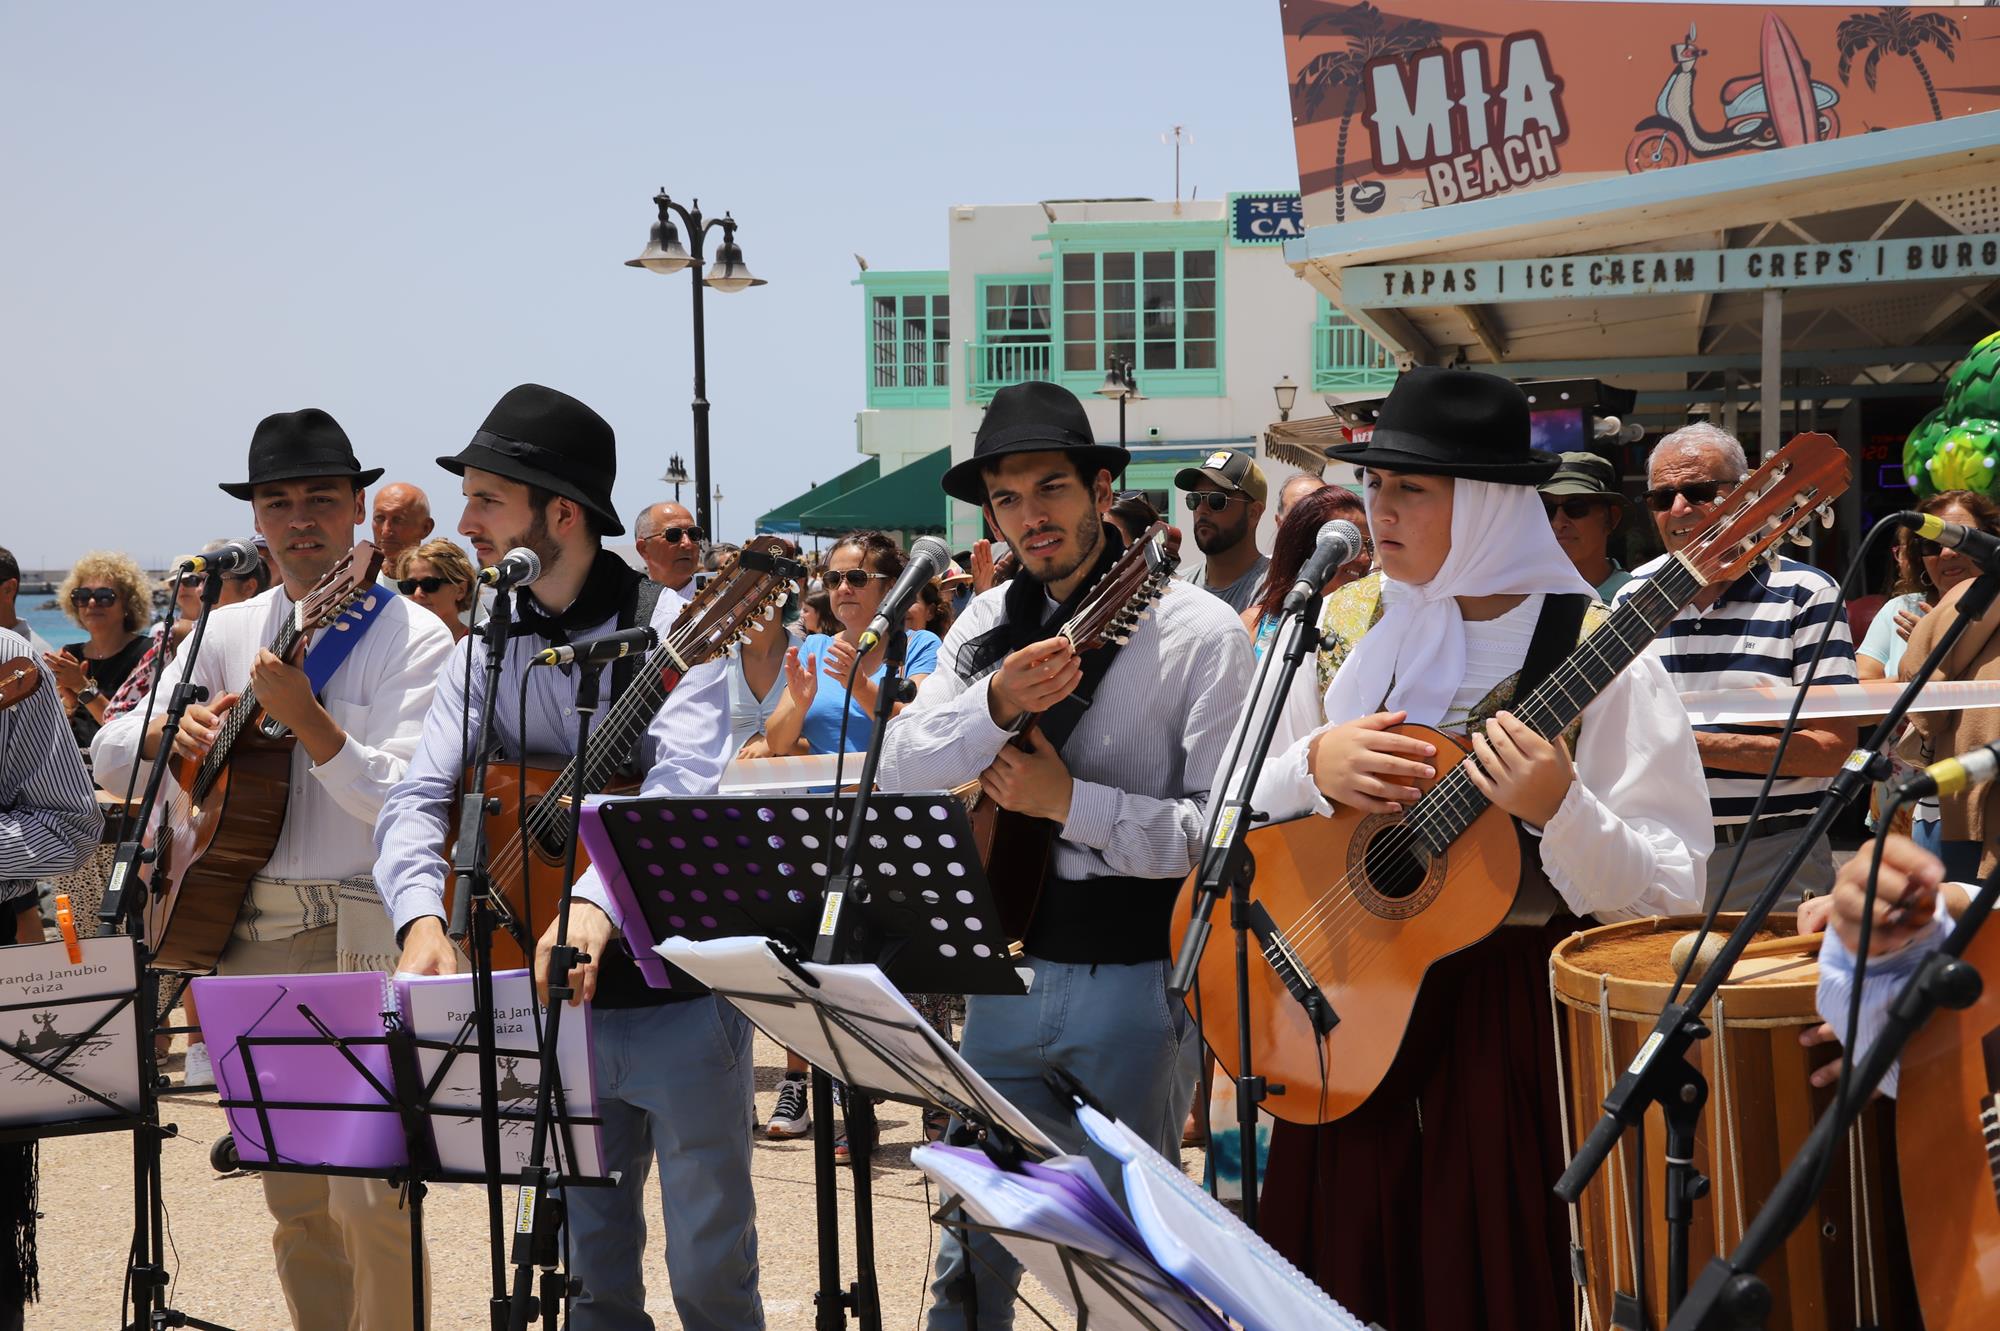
(343, 1244)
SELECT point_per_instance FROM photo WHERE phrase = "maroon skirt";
(1428, 1209)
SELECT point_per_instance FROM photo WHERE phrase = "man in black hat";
(673, 1066)
(1127, 791)
(343, 1245)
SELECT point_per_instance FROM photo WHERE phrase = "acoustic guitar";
(1948, 1154)
(530, 826)
(19, 678)
(1014, 847)
(1350, 911)
(225, 810)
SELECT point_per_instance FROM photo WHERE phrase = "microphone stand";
(836, 945)
(1228, 868)
(1729, 1293)
(1661, 1074)
(472, 912)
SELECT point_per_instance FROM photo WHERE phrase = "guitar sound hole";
(1397, 863)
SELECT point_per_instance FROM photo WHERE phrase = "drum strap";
(1609, 1070)
(1579, 1273)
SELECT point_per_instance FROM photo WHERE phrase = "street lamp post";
(664, 254)
(1121, 387)
(715, 532)
(1287, 393)
(676, 475)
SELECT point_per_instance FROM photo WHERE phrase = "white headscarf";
(1413, 659)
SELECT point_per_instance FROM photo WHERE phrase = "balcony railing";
(1347, 360)
(992, 366)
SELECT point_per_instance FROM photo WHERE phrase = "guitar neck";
(1454, 803)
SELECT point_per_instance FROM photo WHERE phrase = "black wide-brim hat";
(542, 437)
(1438, 422)
(293, 445)
(1033, 417)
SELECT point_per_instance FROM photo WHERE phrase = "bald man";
(402, 521)
(670, 544)
(1295, 489)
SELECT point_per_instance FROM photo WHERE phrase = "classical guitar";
(225, 809)
(1013, 846)
(19, 678)
(1351, 911)
(715, 618)
(1948, 1153)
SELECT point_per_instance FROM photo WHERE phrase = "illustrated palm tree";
(1370, 37)
(1902, 32)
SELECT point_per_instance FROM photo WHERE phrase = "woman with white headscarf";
(1448, 1166)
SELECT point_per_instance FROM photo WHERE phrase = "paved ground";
(221, 1253)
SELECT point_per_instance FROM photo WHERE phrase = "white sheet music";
(53, 1004)
(435, 1007)
(1192, 1236)
(856, 1025)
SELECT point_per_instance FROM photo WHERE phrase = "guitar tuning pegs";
(1826, 516)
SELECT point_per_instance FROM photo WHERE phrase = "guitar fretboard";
(240, 716)
(1454, 803)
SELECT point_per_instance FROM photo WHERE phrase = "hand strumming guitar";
(200, 724)
(1363, 763)
(1033, 679)
(1031, 781)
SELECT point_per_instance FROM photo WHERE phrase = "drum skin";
(1760, 1109)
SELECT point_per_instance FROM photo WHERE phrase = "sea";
(52, 624)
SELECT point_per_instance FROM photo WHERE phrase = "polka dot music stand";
(731, 866)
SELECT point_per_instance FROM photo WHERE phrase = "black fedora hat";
(541, 437)
(293, 445)
(1439, 422)
(1033, 417)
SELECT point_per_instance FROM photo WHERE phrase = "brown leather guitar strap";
(1555, 637)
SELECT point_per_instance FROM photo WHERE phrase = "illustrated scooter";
(1676, 135)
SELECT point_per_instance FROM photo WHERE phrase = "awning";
(785, 517)
(907, 499)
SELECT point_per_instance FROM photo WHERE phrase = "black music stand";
(412, 1097)
(716, 867)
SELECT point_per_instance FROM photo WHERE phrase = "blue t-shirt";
(822, 724)
(1882, 642)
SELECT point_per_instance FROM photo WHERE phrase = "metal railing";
(992, 366)
(1347, 360)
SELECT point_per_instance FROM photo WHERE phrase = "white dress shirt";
(378, 696)
(1632, 836)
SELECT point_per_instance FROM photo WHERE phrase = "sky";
(398, 211)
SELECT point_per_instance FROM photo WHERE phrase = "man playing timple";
(402, 521)
(670, 544)
(672, 1066)
(1585, 507)
(343, 1244)
(1127, 792)
(1760, 630)
(1226, 496)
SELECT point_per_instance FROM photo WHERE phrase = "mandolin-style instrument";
(19, 678)
(1351, 911)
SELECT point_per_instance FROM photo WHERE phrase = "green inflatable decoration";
(1921, 448)
(1973, 390)
(1957, 446)
(1966, 457)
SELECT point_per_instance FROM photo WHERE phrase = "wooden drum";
(1844, 1268)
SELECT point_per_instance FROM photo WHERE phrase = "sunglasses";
(409, 586)
(1213, 500)
(98, 595)
(194, 579)
(1575, 507)
(1701, 492)
(673, 535)
(856, 578)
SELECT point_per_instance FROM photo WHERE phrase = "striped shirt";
(1885, 980)
(48, 813)
(1762, 630)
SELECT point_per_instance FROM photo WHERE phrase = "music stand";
(86, 1078)
(325, 1074)
(710, 868)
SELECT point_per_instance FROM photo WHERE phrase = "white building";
(1196, 294)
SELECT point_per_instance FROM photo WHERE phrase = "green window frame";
(907, 339)
(1153, 296)
(1016, 333)
(1346, 357)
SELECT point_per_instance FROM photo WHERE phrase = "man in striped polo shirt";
(1759, 630)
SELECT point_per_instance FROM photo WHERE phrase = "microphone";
(1952, 775)
(604, 647)
(230, 558)
(927, 560)
(517, 568)
(1338, 542)
(1974, 544)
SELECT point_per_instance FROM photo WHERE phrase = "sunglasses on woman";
(409, 586)
(1213, 500)
(673, 535)
(857, 578)
(1701, 492)
(83, 596)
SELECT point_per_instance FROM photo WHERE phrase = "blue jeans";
(673, 1082)
(1114, 1029)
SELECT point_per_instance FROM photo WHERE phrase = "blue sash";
(336, 641)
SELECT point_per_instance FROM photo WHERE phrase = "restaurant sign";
(1265, 219)
(1575, 276)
